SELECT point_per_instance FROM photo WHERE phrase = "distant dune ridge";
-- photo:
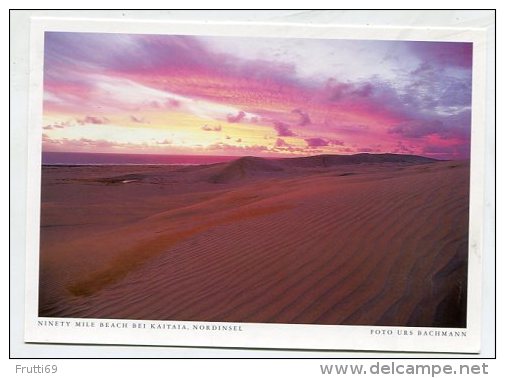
(366, 239)
(330, 160)
(255, 166)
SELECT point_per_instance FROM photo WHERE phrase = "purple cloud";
(283, 129)
(348, 129)
(316, 142)
(281, 143)
(304, 118)
(336, 142)
(418, 128)
(336, 91)
(444, 53)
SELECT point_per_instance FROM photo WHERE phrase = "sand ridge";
(378, 242)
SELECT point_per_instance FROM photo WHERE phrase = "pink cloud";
(238, 150)
(211, 128)
(93, 120)
(304, 118)
(136, 119)
(81, 144)
(235, 118)
(401, 148)
(171, 103)
(57, 125)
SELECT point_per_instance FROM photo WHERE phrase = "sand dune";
(246, 167)
(360, 240)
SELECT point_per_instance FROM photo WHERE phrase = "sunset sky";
(125, 93)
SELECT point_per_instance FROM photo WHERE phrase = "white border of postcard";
(255, 335)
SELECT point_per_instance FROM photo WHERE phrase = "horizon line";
(240, 156)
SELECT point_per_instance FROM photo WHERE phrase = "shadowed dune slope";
(245, 167)
(385, 245)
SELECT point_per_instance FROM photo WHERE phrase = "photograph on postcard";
(257, 180)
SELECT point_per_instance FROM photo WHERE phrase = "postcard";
(255, 185)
